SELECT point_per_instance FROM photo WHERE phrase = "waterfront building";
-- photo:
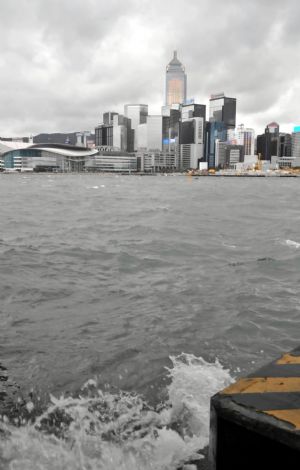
(216, 130)
(149, 134)
(154, 132)
(222, 117)
(268, 143)
(137, 113)
(284, 145)
(228, 155)
(122, 133)
(48, 157)
(296, 142)
(114, 132)
(111, 161)
(242, 135)
(170, 131)
(104, 135)
(191, 143)
(222, 109)
(141, 137)
(155, 162)
(176, 82)
(7, 144)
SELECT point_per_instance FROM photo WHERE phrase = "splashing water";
(100, 430)
(292, 243)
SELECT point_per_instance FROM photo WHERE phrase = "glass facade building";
(222, 109)
(222, 117)
(175, 82)
(268, 143)
(48, 157)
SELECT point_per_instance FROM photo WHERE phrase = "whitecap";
(102, 430)
(292, 243)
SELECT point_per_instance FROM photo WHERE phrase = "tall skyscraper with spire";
(175, 82)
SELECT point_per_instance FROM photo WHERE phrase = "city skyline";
(59, 75)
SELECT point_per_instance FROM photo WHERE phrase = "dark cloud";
(63, 62)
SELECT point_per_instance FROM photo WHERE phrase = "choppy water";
(105, 277)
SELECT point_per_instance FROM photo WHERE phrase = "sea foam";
(100, 430)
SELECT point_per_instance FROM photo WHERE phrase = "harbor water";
(127, 301)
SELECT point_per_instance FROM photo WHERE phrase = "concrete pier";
(255, 422)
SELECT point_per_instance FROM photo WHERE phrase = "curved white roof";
(67, 152)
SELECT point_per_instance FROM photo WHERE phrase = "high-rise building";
(228, 155)
(296, 142)
(138, 114)
(285, 145)
(114, 132)
(121, 132)
(268, 143)
(222, 109)
(154, 132)
(191, 142)
(242, 136)
(175, 82)
(192, 110)
(222, 117)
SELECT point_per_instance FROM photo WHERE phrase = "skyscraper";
(296, 142)
(222, 117)
(222, 109)
(175, 82)
(268, 143)
(242, 136)
(138, 114)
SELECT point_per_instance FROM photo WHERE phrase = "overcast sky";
(64, 62)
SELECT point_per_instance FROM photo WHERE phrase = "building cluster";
(182, 137)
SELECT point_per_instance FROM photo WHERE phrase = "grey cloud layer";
(63, 62)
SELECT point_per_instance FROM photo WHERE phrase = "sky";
(65, 62)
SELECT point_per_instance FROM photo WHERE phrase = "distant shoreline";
(216, 175)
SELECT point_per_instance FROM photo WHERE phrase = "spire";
(175, 62)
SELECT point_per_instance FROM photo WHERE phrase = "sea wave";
(100, 430)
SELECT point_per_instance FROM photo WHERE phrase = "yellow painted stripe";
(288, 359)
(290, 416)
(264, 385)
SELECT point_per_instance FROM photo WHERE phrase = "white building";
(192, 143)
(242, 135)
(296, 142)
(154, 132)
(138, 114)
(149, 135)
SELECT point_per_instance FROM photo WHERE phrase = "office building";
(104, 135)
(191, 110)
(155, 162)
(222, 109)
(242, 136)
(115, 132)
(111, 161)
(154, 133)
(284, 145)
(296, 142)
(191, 143)
(170, 132)
(137, 113)
(222, 117)
(175, 92)
(228, 155)
(268, 143)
